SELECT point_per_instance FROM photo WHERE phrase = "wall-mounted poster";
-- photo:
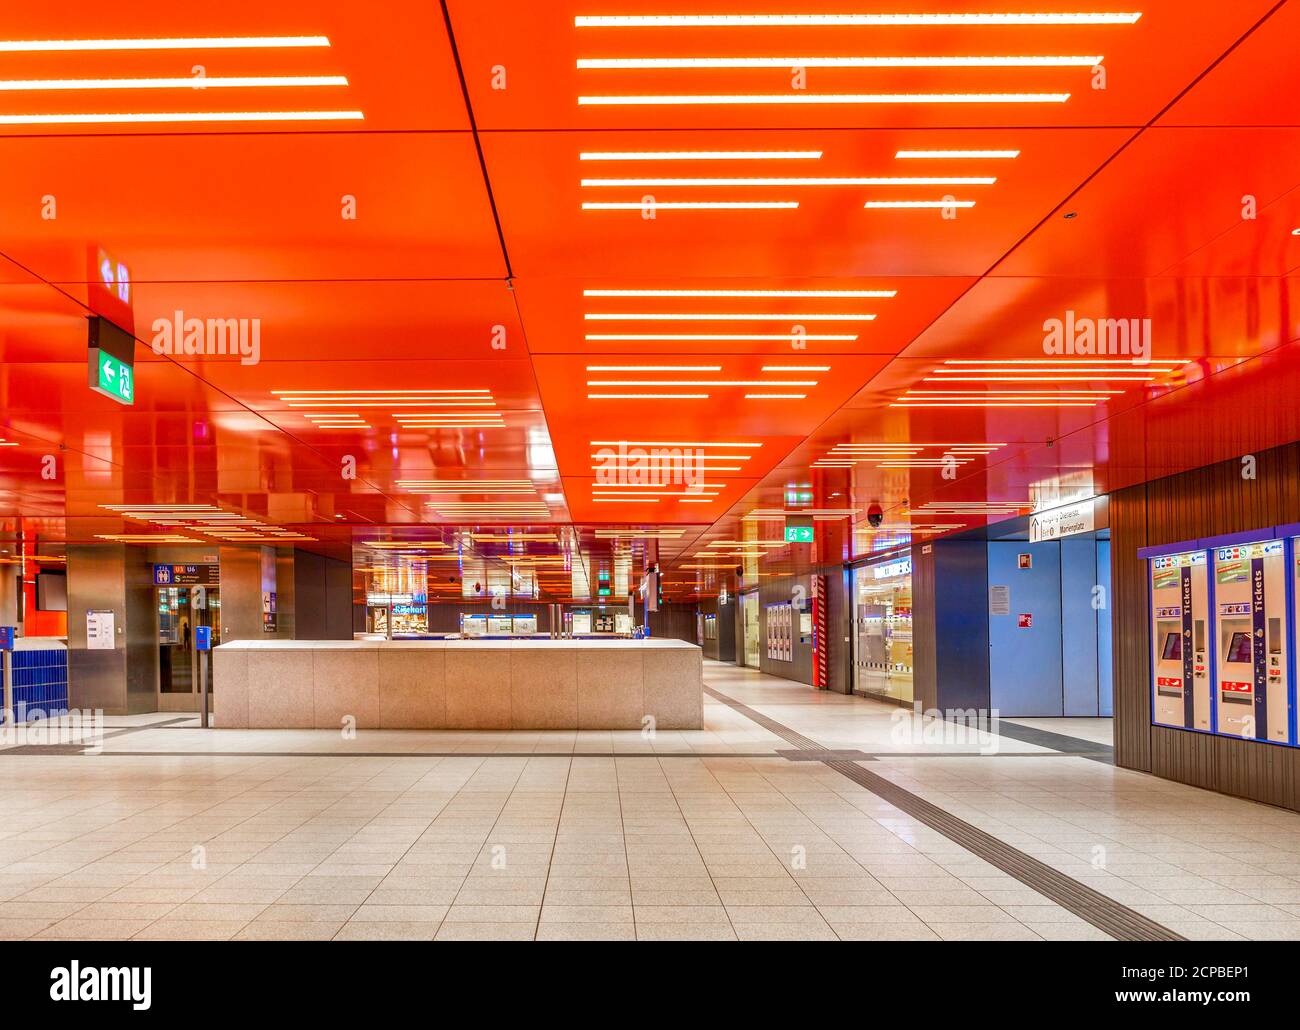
(99, 631)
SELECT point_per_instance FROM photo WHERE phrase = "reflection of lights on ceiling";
(762, 294)
(164, 43)
(945, 180)
(729, 99)
(728, 316)
(690, 205)
(729, 21)
(615, 63)
(700, 155)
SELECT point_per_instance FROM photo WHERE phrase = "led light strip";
(614, 63)
(718, 336)
(181, 43)
(700, 155)
(695, 205)
(728, 99)
(766, 294)
(699, 382)
(925, 155)
(666, 443)
(647, 396)
(184, 82)
(882, 204)
(924, 180)
(652, 368)
(674, 316)
(728, 21)
(180, 117)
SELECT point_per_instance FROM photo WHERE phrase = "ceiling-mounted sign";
(1067, 520)
(110, 359)
(799, 529)
(187, 575)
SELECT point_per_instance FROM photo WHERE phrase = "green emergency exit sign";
(798, 534)
(112, 377)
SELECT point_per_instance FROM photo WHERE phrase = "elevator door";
(181, 610)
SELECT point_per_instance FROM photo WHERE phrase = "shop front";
(882, 629)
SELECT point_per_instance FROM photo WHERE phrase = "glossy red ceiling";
(432, 241)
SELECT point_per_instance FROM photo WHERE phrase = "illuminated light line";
(638, 468)
(647, 396)
(1017, 392)
(754, 316)
(666, 443)
(859, 294)
(796, 368)
(693, 458)
(701, 382)
(994, 404)
(1122, 367)
(882, 204)
(954, 61)
(693, 205)
(654, 368)
(731, 99)
(1103, 376)
(182, 82)
(720, 336)
(180, 43)
(179, 117)
(427, 402)
(700, 155)
(359, 393)
(775, 396)
(624, 500)
(923, 180)
(1061, 361)
(728, 21)
(925, 155)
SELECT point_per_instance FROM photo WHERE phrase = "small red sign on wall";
(1025, 621)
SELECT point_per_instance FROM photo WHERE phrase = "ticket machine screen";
(1238, 649)
(1173, 649)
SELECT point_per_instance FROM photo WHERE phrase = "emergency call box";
(1180, 641)
(1252, 674)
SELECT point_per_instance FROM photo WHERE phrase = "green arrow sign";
(112, 377)
(798, 534)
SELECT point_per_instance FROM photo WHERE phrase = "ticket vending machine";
(1252, 688)
(1180, 658)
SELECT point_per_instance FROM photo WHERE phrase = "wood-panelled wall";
(1205, 502)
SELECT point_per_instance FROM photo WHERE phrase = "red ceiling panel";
(830, 233)
(399, 70)
(528, 76)
(239, 207)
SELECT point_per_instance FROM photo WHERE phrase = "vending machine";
(1252, 678)
(1180, 652)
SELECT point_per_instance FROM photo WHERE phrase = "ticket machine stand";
(203, 646)
(7, 660)
(1253, 605)
(1180, 600)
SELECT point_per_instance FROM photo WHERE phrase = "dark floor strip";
(771, 725)
(1108, 915)
(1057, 741)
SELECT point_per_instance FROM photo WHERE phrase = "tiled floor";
(177, 832)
